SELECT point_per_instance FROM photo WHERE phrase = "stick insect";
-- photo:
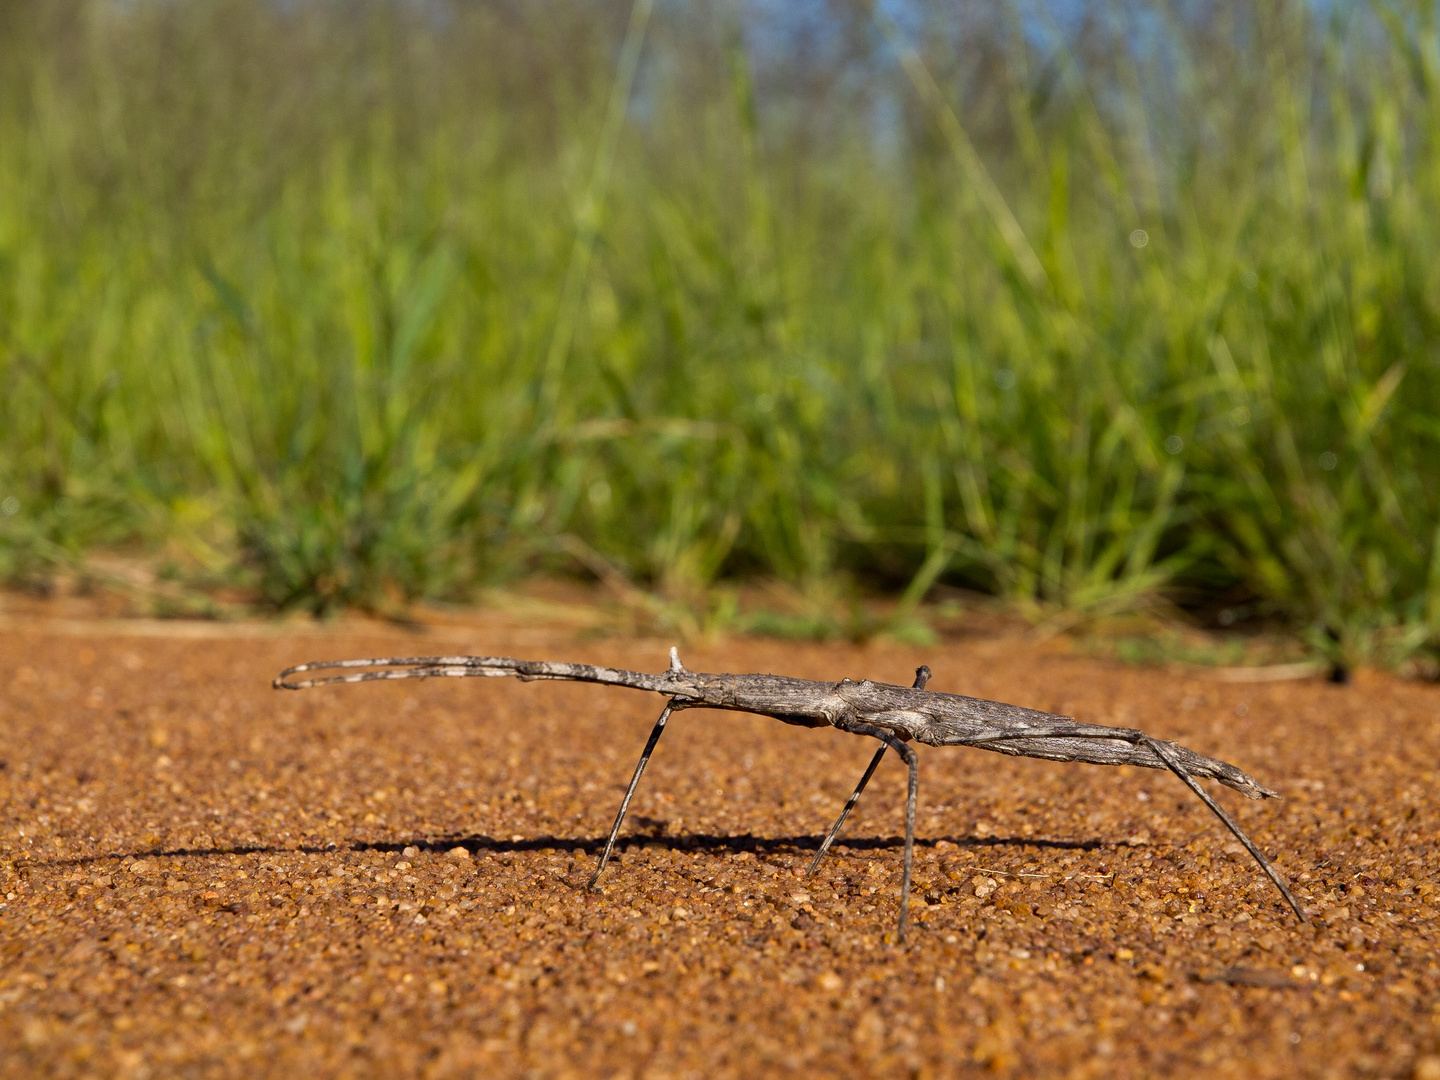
(894, 715)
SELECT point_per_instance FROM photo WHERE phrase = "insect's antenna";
(396, 667)
(469, 667)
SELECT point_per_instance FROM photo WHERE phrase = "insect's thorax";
(791, 701)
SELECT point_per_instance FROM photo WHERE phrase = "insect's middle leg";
(845, 812)
(912, 761)
(655, 734)
(922, 676)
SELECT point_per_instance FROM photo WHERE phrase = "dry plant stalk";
(895, 715)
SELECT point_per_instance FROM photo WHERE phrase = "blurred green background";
(1076, 305)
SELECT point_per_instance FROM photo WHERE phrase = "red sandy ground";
(200, 876)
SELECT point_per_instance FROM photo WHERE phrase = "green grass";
(363, 303)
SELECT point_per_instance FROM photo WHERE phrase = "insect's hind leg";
(922, 676)
(655, 734)
(1162, 751)
(1173, 763)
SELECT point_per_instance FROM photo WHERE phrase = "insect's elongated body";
(896, 715)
